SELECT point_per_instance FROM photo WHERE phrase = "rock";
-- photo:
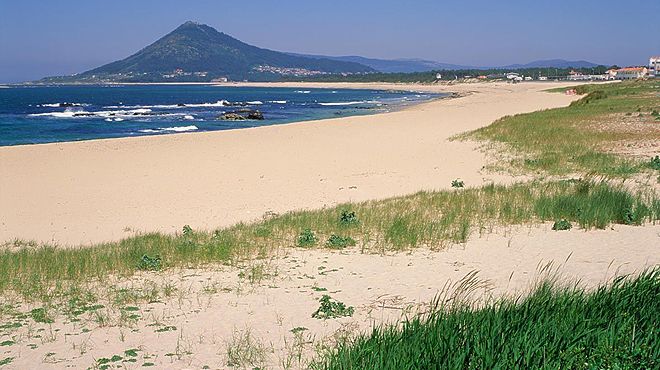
(231, 116)
(241, 115)
(180, 105)
(255, 115)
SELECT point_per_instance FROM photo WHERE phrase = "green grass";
(576, 139)
(424, 219)
(555, 327)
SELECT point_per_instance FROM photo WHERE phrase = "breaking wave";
(170, 129)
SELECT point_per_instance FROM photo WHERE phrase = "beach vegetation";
(340, 242)
(331, 309)
(562, 225)
(348, 218)
(148, 263)
(654, 163)
(431, 219)
(307, 238)
(457, 183)
(244, 350)
(556, 326)
(591, 136)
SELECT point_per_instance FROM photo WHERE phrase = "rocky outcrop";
(242, 115)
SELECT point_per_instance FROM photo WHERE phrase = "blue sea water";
(43, 114)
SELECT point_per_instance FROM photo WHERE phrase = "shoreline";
(94, 191)
(398, 108)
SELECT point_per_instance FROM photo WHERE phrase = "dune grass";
(579, 138)
(424, 219)
(555, 327)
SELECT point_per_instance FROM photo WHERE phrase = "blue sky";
(40, 38)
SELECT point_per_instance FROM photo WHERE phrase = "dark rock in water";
(83, 114)
(180, 105)
(255, 115)
(241, 115)
(68, 105)
(231, 116)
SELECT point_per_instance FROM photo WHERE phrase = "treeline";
(448, 75)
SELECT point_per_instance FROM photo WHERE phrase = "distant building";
(543, 78)
(631, 73)
(577, 76)
(438, 76)
(611, 74)
(654, 66)
(220, 79)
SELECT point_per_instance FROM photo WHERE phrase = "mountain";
(553, 63)
(195, 51)
(392, 65)
(421, 65)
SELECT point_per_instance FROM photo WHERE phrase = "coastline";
(59, 193)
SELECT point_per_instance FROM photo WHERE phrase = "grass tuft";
(582, 137)
(555, 327)
(46, 273)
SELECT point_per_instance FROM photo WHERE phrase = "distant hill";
(553, 63)
(392, 65)
(197, 52)
(421, 65)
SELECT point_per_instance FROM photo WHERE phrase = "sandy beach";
(197, 316)
(103, 190)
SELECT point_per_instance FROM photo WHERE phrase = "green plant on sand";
(331, 309)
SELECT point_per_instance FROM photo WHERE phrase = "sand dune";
(209, 308)
(102, 190)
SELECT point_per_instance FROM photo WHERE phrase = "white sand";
(208, 306)
(101, 190)
(91, 191)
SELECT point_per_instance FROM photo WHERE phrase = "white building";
(631, 73)
(654, 66)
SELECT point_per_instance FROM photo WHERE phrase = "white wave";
(256, 102)
(219, 103)
(79, 113)
(188, 117)
(277, 101)
(171, 129)
(302, 91)
(62, 105)
(350, 103)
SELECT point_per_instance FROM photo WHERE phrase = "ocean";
(46, 114)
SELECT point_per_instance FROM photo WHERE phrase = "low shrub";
(332, 309)
(340, 242)
(307, 238)
(655, 163)
(562, 225)
(348, 218)
(148, 263)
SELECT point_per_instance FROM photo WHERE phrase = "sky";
(45, 38)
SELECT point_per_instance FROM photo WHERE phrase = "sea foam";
(170, 129)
